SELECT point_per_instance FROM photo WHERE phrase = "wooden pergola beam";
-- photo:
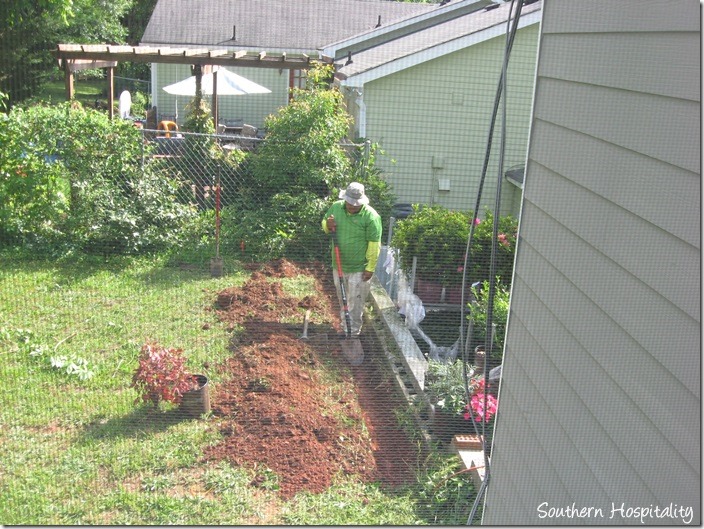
(74, 57)
(193, 56)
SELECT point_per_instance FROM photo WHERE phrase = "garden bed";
(278, 408)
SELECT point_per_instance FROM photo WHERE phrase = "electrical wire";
(500, 97)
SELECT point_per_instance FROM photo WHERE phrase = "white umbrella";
(224, 83)
(227, 84)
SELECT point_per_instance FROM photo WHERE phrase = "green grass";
(86, 91)
(81, 451)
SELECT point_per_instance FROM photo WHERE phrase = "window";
(296, 79)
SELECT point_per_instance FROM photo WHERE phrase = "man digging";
(357, 227)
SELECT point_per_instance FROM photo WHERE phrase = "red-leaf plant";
(162, 375)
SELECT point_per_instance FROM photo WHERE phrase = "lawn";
(86, 91)
(77, 449)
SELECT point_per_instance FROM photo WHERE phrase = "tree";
(296, 173)
(81, 183)
(33, 28)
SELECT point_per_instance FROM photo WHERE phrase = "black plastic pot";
(197, 401)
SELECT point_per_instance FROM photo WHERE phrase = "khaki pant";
(357, 292)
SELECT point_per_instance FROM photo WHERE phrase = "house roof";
(293, 26)
(410, 24)
(429, 43)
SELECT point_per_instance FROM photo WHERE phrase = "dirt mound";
(277, 412)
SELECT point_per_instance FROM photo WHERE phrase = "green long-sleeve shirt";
(358, 236)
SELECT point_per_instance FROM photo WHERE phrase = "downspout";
(362, 112)
(154, 87)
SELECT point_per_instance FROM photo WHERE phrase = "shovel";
(351, 347)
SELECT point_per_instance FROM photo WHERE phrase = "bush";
(289, 182)
(478, 313)
(79, 182)
(34, 190)
(162, 375)
(438, 238)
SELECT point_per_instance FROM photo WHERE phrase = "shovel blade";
(352, 351)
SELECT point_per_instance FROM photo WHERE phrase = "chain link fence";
(183, 353)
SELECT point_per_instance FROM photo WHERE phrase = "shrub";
(289, 182)
(77, 179)
(446, 387)
(438, 238)
(478, 313)
(34, 190)
(161, 375)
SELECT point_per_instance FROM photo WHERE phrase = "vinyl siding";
(438, 113)
(600, 401)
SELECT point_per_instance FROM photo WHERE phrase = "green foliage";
(34, 191)
(446, 492)
(302, 151)
(351, 503)
(198, 117)
(96, 196)
(446, 387)
(140, 100)
(287, 227)
(505, 248)
(380, 193)
(287, 184)
(438, 238)
(478, 313)
(34, 27)
(25, 342)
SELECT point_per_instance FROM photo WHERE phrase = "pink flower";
(460, 269)
(503, 239)
(475, 408)
(477, 222)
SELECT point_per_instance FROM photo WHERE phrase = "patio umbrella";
(227, 84)
(220, 82)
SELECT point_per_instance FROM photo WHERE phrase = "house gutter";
(362, 112)
(358, 79)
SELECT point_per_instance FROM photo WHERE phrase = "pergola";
(76, 57)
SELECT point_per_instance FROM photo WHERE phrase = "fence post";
(367, 152)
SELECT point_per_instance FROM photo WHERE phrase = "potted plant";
(437, 237)
(478, 312)
(162, 376)
(453, 411)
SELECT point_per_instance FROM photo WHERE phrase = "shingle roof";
(428, 38)
(286, 25)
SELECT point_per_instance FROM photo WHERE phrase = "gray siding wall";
(600, 402)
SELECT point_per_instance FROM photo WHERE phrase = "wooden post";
(215, 100)
(68, 80)
(111, 92)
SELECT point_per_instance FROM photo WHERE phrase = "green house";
(424, 90)
(419, 79)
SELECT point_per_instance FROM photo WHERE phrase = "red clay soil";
(277, 408)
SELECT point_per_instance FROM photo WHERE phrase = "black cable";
(500, 96)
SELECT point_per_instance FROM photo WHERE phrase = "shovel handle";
(343, 293)
(338, 260)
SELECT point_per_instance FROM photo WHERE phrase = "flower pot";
(196, 402)
(435, 292)
(453, 295)
(428, 291)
